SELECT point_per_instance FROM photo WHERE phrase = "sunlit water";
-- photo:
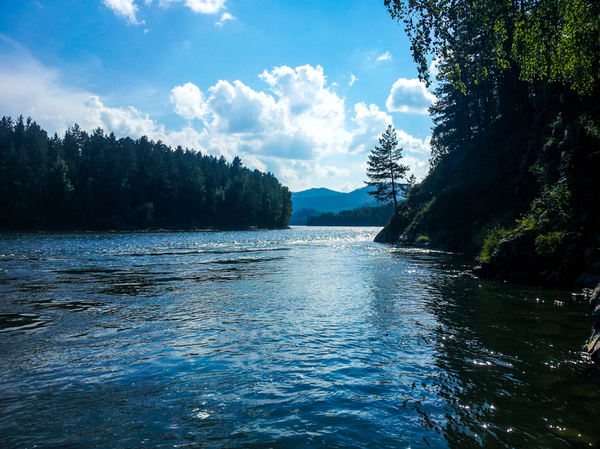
(310, 337)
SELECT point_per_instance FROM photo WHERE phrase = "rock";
(485, 270)
(593, 344)
(595, 297)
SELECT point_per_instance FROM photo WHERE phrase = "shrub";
(546, 244)
(492, 242)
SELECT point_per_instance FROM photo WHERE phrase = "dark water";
(311, 337)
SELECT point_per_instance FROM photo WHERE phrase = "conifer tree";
(383, 169)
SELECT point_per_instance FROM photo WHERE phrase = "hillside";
(325, 200)
(98, 182)
(515, 167)
(314, 202)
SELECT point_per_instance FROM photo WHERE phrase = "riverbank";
(130, 231)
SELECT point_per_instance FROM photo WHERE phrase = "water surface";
(309, 337)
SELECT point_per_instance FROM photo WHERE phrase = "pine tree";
(383, 169)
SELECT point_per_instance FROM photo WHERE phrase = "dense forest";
(98, 182)
(515, 167)
(365, 216)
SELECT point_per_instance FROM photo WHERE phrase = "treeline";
(515, 168)
(365, 216)
(98, 182)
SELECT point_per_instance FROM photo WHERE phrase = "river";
(308, 337)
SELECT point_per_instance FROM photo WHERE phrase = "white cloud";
(128, 9)
(418, 166)
(353, 79)
(125, 8)
(189, 101)
(205, 6)
(297, 128)
(371, 123)
(328, 171)
(414, 145)
(301, 120)
(199, 6)
(409, 96)
(128, 121)
(385, 56)
(224, 17)
(293, 128)
(30, 89)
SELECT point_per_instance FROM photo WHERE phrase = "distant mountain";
(312, 193)
(313, 202)
(325, 200)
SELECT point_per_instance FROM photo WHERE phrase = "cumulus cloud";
(371, 123)
(300, 119)
(224, 17)
(409, 96)
(128, 121)
(413, 145)
(385, 56)
(124, 8)
(296, 128)
(188, 101)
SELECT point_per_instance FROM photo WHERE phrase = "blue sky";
(300, 88)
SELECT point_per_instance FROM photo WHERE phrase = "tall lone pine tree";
(383, 169)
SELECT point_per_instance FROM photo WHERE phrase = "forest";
(364, 216)
(515, 166)
(98, 182)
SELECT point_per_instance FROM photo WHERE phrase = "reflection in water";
(313, 337)
(511, 355)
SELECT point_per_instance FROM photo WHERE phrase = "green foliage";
(422, 239)
(383, 169)
(516, 130)
(546, 220)
(590, 126)
(547, 244)
(492, 242)
(553, 40)
(559, 41)
(420, 216)
(550, 210)
(96, 181)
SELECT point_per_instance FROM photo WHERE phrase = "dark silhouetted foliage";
(383, 169)
(515, 167)
(365, 216)
(96, 181)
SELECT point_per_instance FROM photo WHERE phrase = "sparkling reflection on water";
(310, 337)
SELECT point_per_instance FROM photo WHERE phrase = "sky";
(300, 88)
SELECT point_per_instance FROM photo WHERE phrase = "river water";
(309, 337)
